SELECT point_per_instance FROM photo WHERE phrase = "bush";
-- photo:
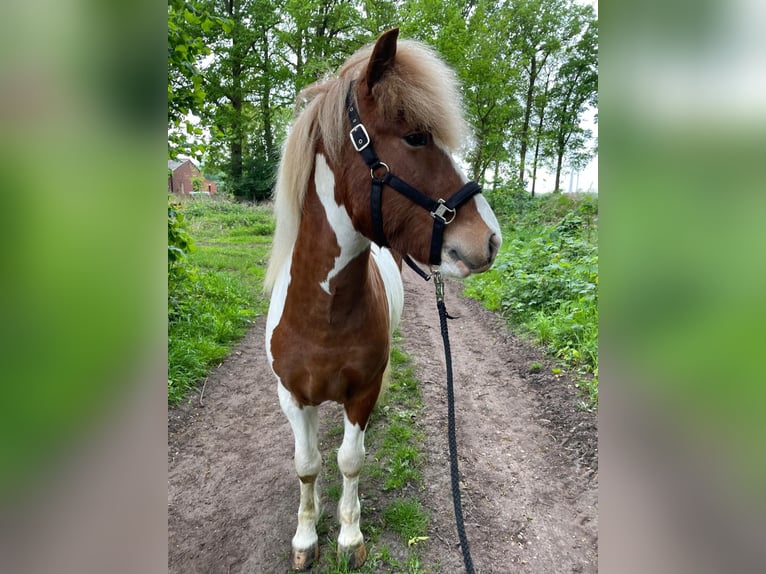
(179, 241)
(545, 279)
(212, 294)
(207, 312)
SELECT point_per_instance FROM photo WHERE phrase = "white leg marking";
(351, 242)
(350, 461)
(308, 462)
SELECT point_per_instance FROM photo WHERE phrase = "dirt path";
(528, 456)
(528, 459)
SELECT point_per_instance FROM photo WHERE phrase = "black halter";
(443, 212)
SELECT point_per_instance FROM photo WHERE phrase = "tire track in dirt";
(528, 456)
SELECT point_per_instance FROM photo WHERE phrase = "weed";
(407, 518)
(214, 291)
(545, 278)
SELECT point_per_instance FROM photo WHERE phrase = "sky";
(585, 179)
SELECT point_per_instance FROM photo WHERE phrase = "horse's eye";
(418, 139)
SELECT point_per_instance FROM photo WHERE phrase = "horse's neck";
(335, 245)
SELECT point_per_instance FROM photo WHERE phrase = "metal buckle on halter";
(359, 137)
(440, 210)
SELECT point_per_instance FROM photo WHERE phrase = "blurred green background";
(682, 276)
(683, 141)
(83, 163)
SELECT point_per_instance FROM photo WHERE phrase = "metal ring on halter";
(375, 166)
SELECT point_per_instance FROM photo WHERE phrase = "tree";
(319, 35)
(239, 64)
(473, 38)
(541, 105)
(490, 78)
(186, 94)
(536, 31)
(576, 88)
(241, 79)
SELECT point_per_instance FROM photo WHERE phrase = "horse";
(335, 269)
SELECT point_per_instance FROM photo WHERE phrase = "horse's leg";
(350, 461)
(308, 462)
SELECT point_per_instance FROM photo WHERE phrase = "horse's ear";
(383, 56)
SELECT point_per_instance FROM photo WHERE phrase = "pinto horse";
(336, 291)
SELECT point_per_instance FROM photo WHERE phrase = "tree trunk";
(496, 176)
(559, 163)
(534, 163)
(268, 135)
(236, 143)
(527, 117)
(478, 158)
(299, 63)
(538, 136)
(537, 150)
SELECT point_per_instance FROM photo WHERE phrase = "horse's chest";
(323, 354)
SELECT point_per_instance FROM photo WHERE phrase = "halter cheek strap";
(443, 212)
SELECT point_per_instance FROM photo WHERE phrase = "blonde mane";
(420, 88)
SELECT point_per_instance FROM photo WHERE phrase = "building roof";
(174, 164)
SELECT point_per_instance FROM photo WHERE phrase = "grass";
(214, 292)
(407, 518)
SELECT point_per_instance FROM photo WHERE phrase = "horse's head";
(409, 105)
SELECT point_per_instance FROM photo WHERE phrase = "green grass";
(407, 518)
(215, 292)
(228, 222)
(545, 279)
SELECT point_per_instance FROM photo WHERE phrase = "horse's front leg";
(308, 463)
(350, 461)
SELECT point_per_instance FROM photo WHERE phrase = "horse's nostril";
(494, 245)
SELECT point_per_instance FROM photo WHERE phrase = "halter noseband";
(443, 212)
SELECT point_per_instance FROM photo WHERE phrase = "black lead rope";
(451, 437)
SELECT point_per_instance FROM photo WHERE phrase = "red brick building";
(184, 174)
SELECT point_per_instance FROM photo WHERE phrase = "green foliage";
(398, 455)
(187, 19)
(215, 290)
(239, 66)
(207, 311)
(407, 518)
(179, 241)
(545, 279)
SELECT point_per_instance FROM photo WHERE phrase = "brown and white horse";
(336, 296)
